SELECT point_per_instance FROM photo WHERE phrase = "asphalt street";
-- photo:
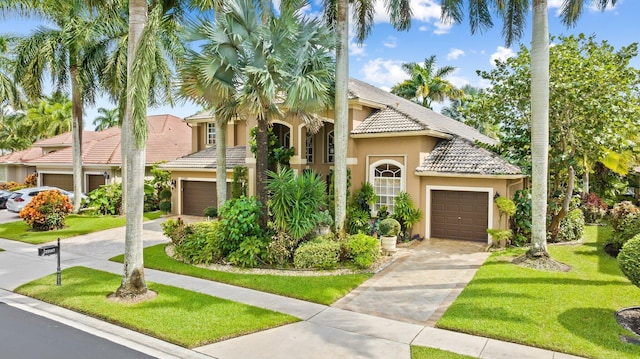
(6, 216)
(25, 335)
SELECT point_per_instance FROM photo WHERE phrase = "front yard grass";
(569, 312)
(317, 289)
(433, 353)
(75, 225)
(179, 316)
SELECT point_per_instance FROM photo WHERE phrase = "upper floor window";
(387, 181)
(309, 147)
(211, 133)
(330, 147)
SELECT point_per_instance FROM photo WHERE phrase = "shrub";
(521, 220)
(280, 250)
(383, 212)
(12, 186)
(363, 250)
(239, 183)
(389, 227)
(358, 221)
(106, 199)
(622, 210)
(165, 194)
(239, 220)
(571, 226)
(173, 228)
(47, 210)
(626, 228)
(318, 253)
(31, 180)
(165, 206)
(629, 260)
(365, 197)
(198, 244)
(406, 213)
(249, 252)
(594, 208)
(506, 206)
(211, 212)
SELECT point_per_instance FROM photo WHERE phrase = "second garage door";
(459, 215)
(63, 181)
(198, 195)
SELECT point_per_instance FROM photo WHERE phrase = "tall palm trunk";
(262, 153)
(133, 282)
(341, 115)
(221, 162)
(539, 127)
(76, 133)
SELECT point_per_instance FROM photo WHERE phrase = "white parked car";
(20, 198)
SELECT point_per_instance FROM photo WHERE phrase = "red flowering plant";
(593, 207)
(47, 210)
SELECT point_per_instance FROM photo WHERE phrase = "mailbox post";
(49, 250)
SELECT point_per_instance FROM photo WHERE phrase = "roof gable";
(236, 156)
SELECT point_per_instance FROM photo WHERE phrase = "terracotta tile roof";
(461, 156)
(406, 111)
(21, 156)
(169, 138)
(207, 159)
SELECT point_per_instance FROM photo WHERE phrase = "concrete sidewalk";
(323, 332)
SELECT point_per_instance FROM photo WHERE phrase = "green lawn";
(317, 289)
(432, 353)
(567, 312)
(176, 315)
(75, 226)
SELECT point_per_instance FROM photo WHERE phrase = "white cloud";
(384, 73)
(454, 54)
(425, 11)
(442, 28)
(356, 49)
(423, 28)
(391, 42)
(502, 53)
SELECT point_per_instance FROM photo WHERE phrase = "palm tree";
(261, 69)
(426, 83)
(335, 13)
(513, 12)
(108, 118)
(49, 117)
(9, 93)
(455, 108)
(70, 52)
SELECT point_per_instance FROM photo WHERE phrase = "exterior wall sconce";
(173, 184)
(495, 196)
(105, 175)
(35, 173)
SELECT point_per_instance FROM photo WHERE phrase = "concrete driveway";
(6, 216)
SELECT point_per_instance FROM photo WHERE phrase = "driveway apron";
(420, 285)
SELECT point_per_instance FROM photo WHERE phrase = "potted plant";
(324, 222)
(389, 229)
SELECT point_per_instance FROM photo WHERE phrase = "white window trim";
(332, 134)
(427, 211)
(372, 173)
(210, 141)
(309, 138)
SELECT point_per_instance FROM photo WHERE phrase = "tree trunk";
(341, 116)
(554, 227)
(221, 162)
(133, 282)
(76, 133)
(539, 127)
(585, 182)
(262, 157)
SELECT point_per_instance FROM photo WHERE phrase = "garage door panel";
(198, 195)
(459, 214)
(62, 181)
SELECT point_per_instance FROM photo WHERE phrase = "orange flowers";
(47, 210)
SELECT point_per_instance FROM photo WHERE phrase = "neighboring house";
(52, 159)
(394, 144)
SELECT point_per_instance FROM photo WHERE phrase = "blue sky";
(378, 61)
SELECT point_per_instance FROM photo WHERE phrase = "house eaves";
(468, 175)
(431, 133)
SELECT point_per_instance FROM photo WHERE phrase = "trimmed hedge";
(629, 260)
(571, 226)
(318, 253)
(363, 250)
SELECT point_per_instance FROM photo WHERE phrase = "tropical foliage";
(46, 211)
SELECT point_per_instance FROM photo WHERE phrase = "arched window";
(330, 147)
(387, 179)
(309, 147)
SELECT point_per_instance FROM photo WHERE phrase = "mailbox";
(48, 250)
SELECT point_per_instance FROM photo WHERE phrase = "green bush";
(106, 199)
(362, 250)
(621, 211)
(249, 253)
(280, 250)
(626, 228)
(571, 226)
(629, 260)
(383, 212)
(165, 194)
(594, 208)
(211, 212)
(389, 227)
(165, 206)
(406, 213)
(358, 221)
(193, 243)
(317, 253)
(521, 220)
(239, 220)
(239, 183)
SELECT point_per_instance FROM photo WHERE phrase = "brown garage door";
(94, 181)
(196, 196)
(459, 215)
(62, 181)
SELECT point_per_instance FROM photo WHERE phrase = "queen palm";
(262, 69)
(427, 83)
(107, 118)
(9, 93)
(69, 51)
(49, 117)
(513, 13)
(335, 12)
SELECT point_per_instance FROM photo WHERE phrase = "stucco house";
(52, 159)
(394, 144)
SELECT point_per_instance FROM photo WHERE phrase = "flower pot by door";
(388, 244)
